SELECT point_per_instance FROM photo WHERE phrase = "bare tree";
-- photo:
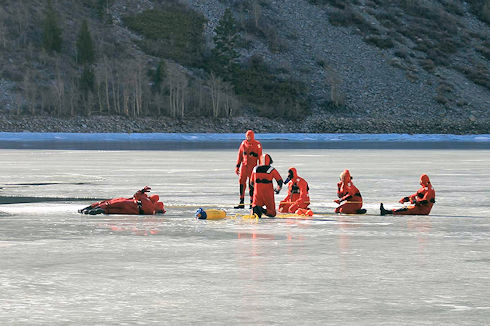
(257, 12)
(177, 84)
(3, 33)
(183, 92)
(99, 95)
(59, 91)
(200, 104)
(30, 91)
(72, 94)
(229, 101)
(215, 84)
(22, 17)
(125, 86)
(18, 103)
(334, 81)
(106, 69)
(139, 88)
(116, 83)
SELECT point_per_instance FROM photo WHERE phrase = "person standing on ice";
(297, 196)
(139, 204)
(348, 193)
(249, 154)
(263, 189)
(422, 201)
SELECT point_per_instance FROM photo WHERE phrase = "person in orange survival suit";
(422, 201)
(297, 196)
(140, 203)
(249, 154)
(263, 189)
(346, 191)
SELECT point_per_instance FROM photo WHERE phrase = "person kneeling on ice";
(263, 189)
(297, 196)
(139, 204)
(422, 201)
(348, 193)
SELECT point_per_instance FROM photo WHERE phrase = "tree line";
(94, 82)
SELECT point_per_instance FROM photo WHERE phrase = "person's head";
(154, 198)
(345, 176)
(249, 135)
(267, 159)
(291, 175)
(424, 180)
(159, 207)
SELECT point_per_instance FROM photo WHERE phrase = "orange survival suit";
(140, 204)
(422, 201)
(263, 190)
(297, 196)
(346, 191)
(249, 153)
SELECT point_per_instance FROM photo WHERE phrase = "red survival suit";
(297, 196)
(140, 204)
(349, 193)
(422, 200)
(263, 191)
(249, 154)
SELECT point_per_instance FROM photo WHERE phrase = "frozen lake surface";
(59, 267)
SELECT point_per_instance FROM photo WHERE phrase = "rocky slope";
(377, 91)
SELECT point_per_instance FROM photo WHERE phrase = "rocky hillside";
(300, 65)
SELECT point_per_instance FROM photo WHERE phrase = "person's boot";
(258, 210)
(84, 210)
(251, 194)
(383, 211)
(241, 205)
(96, 211)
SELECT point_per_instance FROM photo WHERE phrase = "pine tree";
(52, 40)
(87, 80)
(224, 55)
(158, 77)
(85, 46)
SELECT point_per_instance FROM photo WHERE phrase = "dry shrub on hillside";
(481, 8)
(478, 73)
(484, 49)
(346, 17)
(341, 4)
(428, 65)
(444, 93)
(381, 42)
(454, 6)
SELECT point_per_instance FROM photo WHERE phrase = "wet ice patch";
(39, 208)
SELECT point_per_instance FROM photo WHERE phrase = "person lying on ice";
(297, 196)
(263, 189)
(249, 154)
(348, 193)
(139, 204)
(422, 201)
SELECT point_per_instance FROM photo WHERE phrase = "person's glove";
(339, 184)
(338, 201)
(145, 189)
(403, 200)
(277, 190)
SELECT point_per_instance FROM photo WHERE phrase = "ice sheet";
(59, 267)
